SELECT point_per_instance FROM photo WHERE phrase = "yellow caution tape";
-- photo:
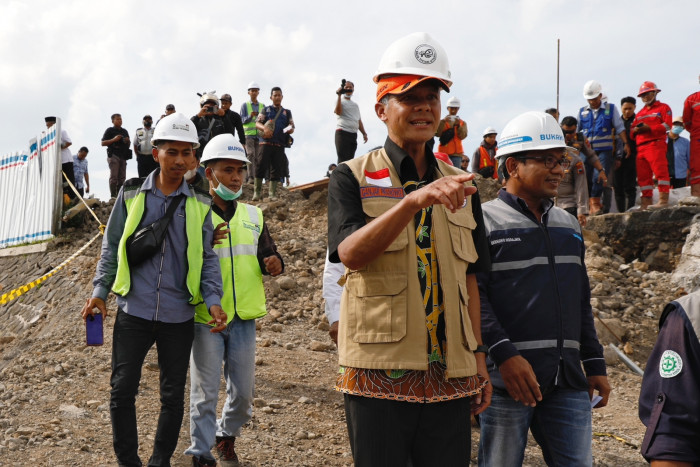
(26, 288)
(622, 440)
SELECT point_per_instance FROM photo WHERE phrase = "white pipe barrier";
(30, 190)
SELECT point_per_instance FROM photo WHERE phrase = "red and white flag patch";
(378, 178)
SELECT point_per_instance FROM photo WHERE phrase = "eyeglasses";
(550, 161)
(568, 132)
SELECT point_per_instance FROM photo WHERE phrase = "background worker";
(649, 130)
(80, 171)
(691, 120)
(484, 158)
(677, 154)
(249, 113)
(143, 148)
(348, 122)
(600, 122)
(451, 131)
(625, 178)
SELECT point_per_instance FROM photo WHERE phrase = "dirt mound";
(54, 391)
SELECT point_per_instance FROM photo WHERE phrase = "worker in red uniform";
(649, 131)
(691, 120)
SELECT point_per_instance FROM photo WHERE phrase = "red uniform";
(651, 148)
(691, 120)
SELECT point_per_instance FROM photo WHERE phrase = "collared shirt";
(349, 118)
(409, 385)
(80, 168)
(616, 118)
(679, 157)
(118, 148)
(158, 285)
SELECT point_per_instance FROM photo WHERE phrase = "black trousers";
(625, 183)
(145, 164)
(67, 168)
(345, 145)
(132, 339)
(385, 433)
(273, 163)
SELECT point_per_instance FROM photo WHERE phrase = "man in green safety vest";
(246, 252)
(249, 113)
(157, 289)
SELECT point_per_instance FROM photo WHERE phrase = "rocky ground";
(54, 390)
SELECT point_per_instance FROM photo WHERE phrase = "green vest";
(196, 209)
(250, 129)
(244, 293)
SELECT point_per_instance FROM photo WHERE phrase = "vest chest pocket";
(375, 207)
(377, 306)
(461, 224)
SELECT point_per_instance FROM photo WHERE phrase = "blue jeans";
(235, 345)
(133, 337)
(561, 425)
(456, 160)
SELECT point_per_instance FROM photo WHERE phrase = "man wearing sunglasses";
(536, 317)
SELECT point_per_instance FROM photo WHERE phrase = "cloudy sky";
(85, 60)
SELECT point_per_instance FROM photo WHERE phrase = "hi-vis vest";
(244, 293)
(598, 129)
(249, 127)
(485, 161)
(196, 209)
(382, 317)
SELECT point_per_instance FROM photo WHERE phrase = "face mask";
(224, 192)
(147, 124)
(677, 130)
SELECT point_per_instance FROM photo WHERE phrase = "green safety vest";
(244, 293)
(196, 209)
(250, 129)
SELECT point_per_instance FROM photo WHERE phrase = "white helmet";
(415, 54)
(453, 102)
(592, 89)
(175, 127)
(224, 146)
(208, 96)
(253, 85)
(490, 131)
(530, 131)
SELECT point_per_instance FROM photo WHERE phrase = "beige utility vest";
(382, 317)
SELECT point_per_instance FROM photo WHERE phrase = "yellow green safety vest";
(250, 129)
(244, 293)
(196, 209)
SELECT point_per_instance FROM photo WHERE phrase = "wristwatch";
(481, 348)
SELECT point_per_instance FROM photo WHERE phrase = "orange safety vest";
(487, 162)
(455, 145)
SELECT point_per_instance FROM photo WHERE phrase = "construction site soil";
(54, 390)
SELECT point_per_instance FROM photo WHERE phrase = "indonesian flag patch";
(378, 178)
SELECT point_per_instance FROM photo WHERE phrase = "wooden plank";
(308, 188)
(24, 249)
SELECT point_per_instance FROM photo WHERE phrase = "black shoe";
(202, 461)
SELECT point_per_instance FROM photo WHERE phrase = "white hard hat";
(453, 102)
(490, 131)
(175, 127)
(253, 85)
(592, 89)
(224, 146)
(415, 54)
(530, 131)
(208, 96)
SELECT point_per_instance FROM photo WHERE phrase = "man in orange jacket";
(649, 131)
(451, 131)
